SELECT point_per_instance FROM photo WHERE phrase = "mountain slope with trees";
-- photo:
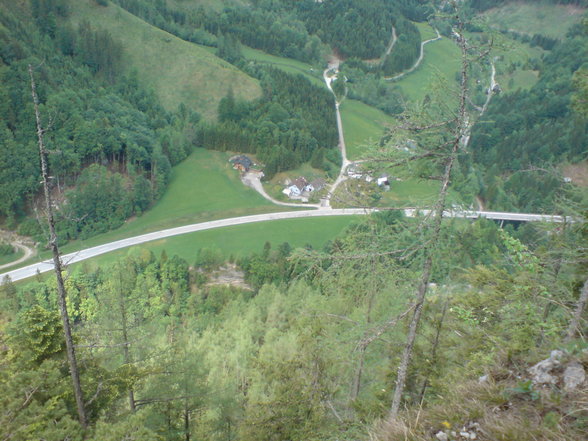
(94, 115)
(526, 133)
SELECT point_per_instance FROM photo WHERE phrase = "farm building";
(241, 162)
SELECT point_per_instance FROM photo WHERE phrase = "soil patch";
(578, 173)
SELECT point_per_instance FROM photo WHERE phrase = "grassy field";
(286, 64)
(512, 57)
(178, 71)
(11, 257)
(203, 187)
(437, 70)
(427, 32)
(189, 6)
(410, 192)
(241, 240)
(362, 125)
(534, 18)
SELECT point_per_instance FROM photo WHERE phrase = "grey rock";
(573, 376)
(442, 436)
(483, 379)
(541, 372)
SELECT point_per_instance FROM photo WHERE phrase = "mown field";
(410, 192)
(363, 126)
(241, 240)
(178, 71)
(203, 187)
(427, 32)
(314, 74)
(534, 18)
(436, 73)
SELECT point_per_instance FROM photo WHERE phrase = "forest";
(544, 127)
(293, 121)
(305, 349)
(94, 115)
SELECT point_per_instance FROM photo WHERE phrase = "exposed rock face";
(549, 372)
(574, 376)
(541, 372)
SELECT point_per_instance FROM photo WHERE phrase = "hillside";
(430, 323)
(178, 71)
(551, 20)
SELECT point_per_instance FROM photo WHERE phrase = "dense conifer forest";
(94, 115)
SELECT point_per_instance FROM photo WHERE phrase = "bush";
(6, 249)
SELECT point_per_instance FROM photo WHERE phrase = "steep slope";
(178, 71)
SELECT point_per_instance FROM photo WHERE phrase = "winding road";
(419, 60)
(78, 256)
(41, 267)
(253, 180)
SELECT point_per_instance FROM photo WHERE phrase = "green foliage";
(539, 122)
(355, 28)
(282, 136)
(94, 116)
(98, 203)
(406, 51)
(209, 258)
(523, 391)
(6, 249)
(38, 335)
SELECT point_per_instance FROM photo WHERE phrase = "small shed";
(383, 181)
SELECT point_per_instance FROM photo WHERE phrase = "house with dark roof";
(241, 162)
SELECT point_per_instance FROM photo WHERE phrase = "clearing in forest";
(534, 18)
(178, 71)
(203, 187)
(363, 126)
(241, 240)
(439, 66)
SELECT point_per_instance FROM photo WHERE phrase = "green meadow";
(437, 70)
(178, 71)
(534, 18)
(203, 187)
(11, 257)
(410, 192)
(241, 240)
(426, 30)
(286, 64)
(363, 126)
(512, 71)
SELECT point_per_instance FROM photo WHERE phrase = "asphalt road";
(41, 267)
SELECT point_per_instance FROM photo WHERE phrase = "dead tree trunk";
(459, 134)
(577, 318)
(61, 294)
(434, 349)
